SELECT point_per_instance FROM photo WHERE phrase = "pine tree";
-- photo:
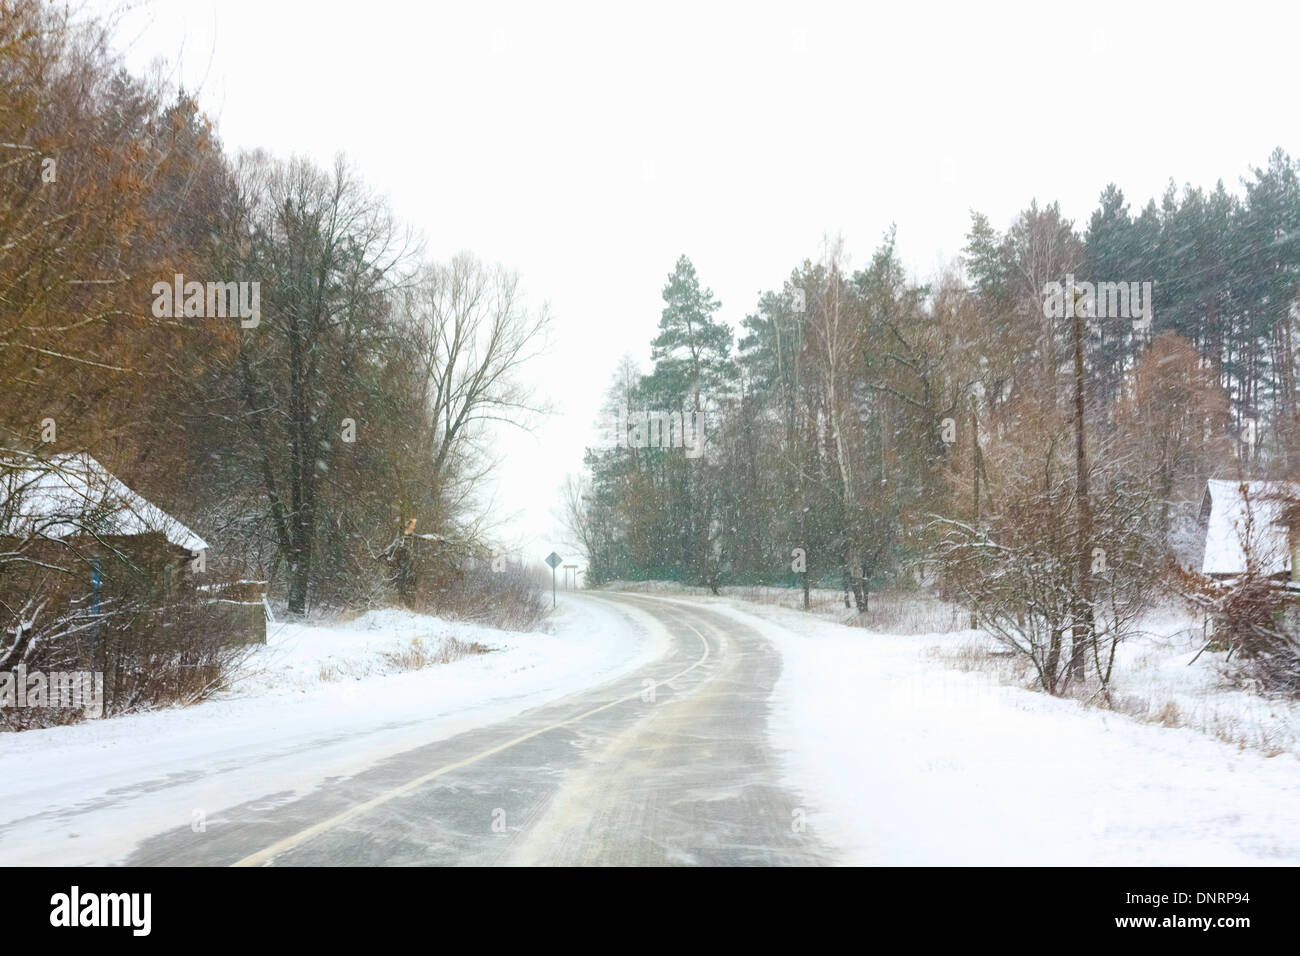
(693, 348)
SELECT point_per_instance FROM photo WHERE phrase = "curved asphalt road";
(669, 765)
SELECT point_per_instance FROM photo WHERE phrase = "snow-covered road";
(644, 730)
(319, 706)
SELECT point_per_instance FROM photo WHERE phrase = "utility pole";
(1083, 627)
(976, 466)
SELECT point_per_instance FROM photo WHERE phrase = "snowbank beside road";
(318, 702)
(906, 761)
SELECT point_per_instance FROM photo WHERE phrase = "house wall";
(62, 572)
(143, 568)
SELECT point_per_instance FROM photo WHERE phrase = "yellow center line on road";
(263, 857)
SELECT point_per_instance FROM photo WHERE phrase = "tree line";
(1012, 431)
(303, 442)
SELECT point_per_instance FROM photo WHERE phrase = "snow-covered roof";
(72, 494)
(1248, 514)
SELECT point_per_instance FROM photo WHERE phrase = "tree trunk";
(299, 574)
(1052, 663)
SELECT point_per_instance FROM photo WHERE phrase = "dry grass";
(1228, 727)
(1167, 716)
(331, 672)
(977, 657)
(418, 655)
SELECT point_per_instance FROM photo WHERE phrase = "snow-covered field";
(317, 702)
(906, 760)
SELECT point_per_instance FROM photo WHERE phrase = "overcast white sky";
(588, 145)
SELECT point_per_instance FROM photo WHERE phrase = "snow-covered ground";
(317, 702)
(1163, 674)
(906, 760)
(900, 754)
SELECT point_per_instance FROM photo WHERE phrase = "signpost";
(553, 560)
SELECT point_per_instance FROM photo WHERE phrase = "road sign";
(553, 560)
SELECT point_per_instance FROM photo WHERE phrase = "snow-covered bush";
(149, 655)
(1063, 602)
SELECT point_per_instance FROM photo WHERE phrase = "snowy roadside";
(905, 760)
(1163, 674)
(319, 702)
